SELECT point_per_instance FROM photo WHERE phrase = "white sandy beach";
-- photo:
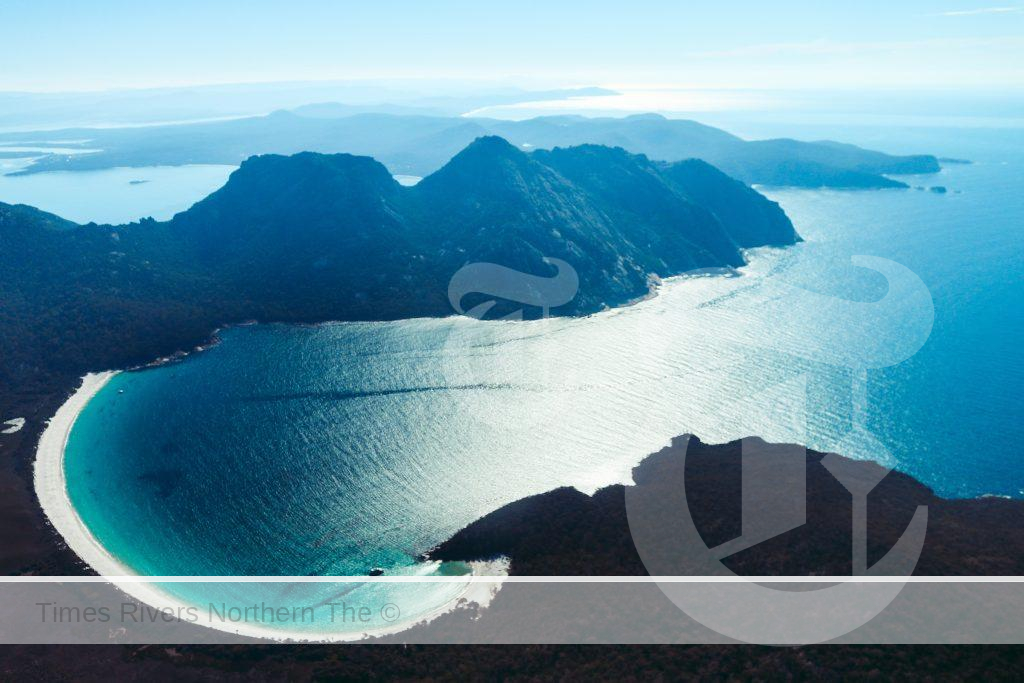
(51, 488)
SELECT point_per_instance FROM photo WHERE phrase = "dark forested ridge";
(567, 533)
(313, 237)
(419, 145)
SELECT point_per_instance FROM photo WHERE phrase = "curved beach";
(51, 489)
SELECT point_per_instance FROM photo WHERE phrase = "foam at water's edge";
(51, 489)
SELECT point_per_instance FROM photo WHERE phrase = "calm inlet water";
(345, 447)
(115, 195)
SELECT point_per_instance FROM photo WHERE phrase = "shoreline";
(657, 284)
(50, 486)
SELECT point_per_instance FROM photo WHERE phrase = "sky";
(58, 45)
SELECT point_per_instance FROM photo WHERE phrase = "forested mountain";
(313, 237)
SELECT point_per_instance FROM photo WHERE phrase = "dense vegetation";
(419, 145)
(566, 533)
(313, 237)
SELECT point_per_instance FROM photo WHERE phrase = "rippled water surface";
(346, 447)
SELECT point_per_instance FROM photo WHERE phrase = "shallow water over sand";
(342, 448)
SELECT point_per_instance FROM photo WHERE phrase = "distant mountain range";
(315, 237)
(419, 145)
(127, 107)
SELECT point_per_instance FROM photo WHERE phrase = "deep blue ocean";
(341, 448)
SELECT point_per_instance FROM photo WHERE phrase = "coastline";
(51, 486)
(51, 489)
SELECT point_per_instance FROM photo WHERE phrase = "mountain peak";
(311, 161)
(298, 186)
(490, 146)
(645, 117)
(487, 161)
(268, 174)
(333, 237)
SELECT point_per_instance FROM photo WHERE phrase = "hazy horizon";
(500, 100)
(915, 44)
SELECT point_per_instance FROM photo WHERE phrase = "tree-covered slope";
(312, 237)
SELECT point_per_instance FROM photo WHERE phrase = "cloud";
(830, 48)
(982, 10)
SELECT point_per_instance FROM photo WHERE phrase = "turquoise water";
(342, 448)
